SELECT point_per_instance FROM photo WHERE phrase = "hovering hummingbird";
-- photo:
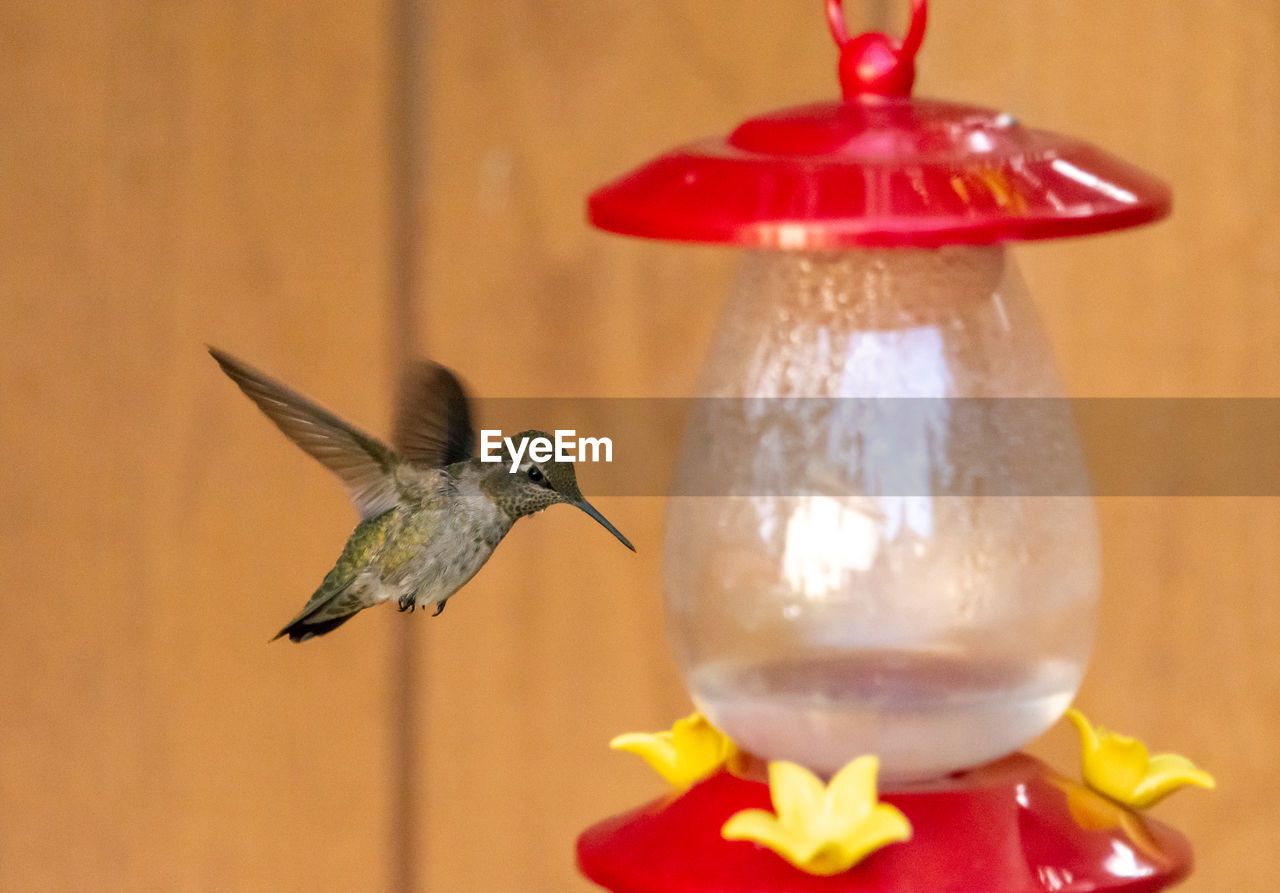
(431, 511)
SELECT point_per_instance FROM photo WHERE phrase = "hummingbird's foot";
(407, 603)
(439, 608)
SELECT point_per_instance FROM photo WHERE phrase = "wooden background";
(176, 173)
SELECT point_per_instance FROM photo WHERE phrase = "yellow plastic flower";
(691, 751)
(1120, 767)
(822, 829)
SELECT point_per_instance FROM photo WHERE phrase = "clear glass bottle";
(868, 548)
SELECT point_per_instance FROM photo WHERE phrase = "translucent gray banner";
(910, 446)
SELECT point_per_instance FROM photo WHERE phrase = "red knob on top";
(875, 64)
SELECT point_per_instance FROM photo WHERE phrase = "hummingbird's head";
(534, 485)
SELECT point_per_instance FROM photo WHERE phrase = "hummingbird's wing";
(365, 464)
(433, 417)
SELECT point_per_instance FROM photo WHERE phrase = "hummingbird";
(431, 511)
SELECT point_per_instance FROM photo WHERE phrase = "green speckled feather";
(336, 599)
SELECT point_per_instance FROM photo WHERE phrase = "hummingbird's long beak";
(591, 510)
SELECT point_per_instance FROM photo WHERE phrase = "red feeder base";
(1013, 827)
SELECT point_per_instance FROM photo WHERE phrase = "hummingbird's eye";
(534, 474)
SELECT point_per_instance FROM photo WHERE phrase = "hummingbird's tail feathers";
(350, 587)
(323, 613)
(302, 629)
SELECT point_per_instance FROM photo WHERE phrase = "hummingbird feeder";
(865, 582)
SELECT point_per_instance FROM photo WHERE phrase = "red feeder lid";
(879, 169)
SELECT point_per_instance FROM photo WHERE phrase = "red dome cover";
(880, 171)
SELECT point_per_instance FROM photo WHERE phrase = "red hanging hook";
(875, 64)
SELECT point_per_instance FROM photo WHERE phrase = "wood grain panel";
(558, 643)
(180, 173)
(174, 174)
